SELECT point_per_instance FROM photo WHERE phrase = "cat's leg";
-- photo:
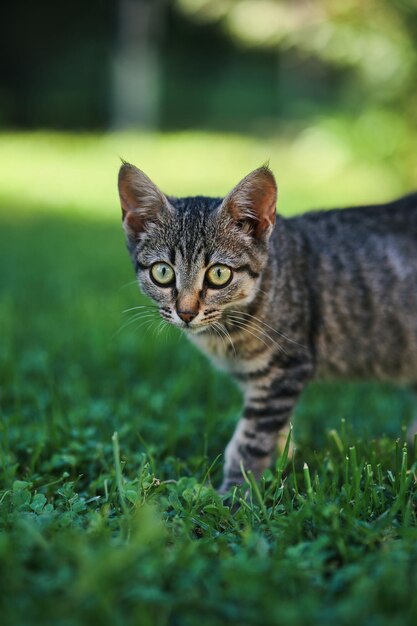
(268, 408)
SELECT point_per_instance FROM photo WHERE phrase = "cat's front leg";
(268, 408)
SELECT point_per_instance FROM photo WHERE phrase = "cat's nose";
(187, 316)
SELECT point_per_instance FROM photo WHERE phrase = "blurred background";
(197, 93)
(207, 89)
(222, 65)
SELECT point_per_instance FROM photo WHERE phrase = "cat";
(277, 301)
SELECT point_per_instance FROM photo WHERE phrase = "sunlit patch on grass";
(331, 162)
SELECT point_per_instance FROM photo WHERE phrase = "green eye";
(162, 273)
(219, 275)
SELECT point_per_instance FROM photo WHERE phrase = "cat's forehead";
(195, 204)
(194, 235)
(194, 226)
(190, 227)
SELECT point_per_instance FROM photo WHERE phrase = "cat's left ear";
(252, 203)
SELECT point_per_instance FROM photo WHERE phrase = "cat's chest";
(235, 355)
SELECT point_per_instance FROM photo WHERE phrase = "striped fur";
(326, 294)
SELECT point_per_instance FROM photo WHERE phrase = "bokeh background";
(197, 93)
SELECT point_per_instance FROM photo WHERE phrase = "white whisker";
(135, 318)
(160, 327)
(281, 334)
(131, 282)
(141, 306)
(246, 329)
(249, 325)
(217, 331)
(227, 334)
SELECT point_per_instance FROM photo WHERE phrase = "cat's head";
(197, 257)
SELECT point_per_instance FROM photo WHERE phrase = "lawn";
(111, 429)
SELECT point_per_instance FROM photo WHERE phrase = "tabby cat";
(274, 301)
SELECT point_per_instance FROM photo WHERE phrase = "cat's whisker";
(280, 333)
(141, 314)
(151, 326)
(163, 325)
(131, 282)
(231, 341)
(144, 318)
(246, 329)
(250, 326)
(218, 333)
(141, 306)
(262, 291)
(211, 329)
(260, 321)
(227, 335)
(144, 323)
(263, 332)
(160, 327)
(126, 324)
(167, 328)
(155, 330)
(135, 318)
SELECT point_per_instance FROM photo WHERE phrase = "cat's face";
(198, 257)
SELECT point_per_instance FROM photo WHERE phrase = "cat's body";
(361, 265)
(324, 295)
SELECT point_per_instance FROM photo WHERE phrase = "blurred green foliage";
(226, 65)
(329, 55)
(376, 38)
(334, 161)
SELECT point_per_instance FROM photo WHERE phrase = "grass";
(125, 528)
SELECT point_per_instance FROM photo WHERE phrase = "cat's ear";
(252, 203)
(141, 200)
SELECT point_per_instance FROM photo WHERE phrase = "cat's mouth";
(196, 330)
(201, 329)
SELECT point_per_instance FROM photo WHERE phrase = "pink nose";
(187, 316)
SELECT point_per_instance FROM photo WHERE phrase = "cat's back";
(398, 217)
(374, 237)
(360, 267)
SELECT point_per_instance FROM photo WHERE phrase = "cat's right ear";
(141, 200)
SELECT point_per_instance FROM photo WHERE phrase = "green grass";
(127, 529)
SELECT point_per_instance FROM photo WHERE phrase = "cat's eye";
(219, 275)
(162, 274)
